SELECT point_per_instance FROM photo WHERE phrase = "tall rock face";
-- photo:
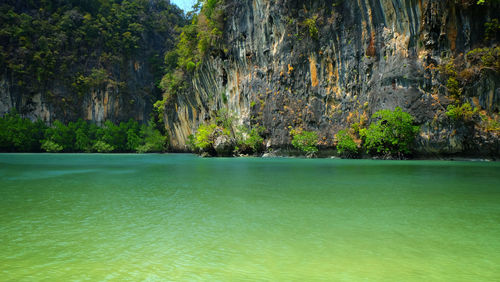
(132, 97)
(323, 65)
(95, 60)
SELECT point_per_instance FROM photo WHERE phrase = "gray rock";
(224, 145)
(369, 55)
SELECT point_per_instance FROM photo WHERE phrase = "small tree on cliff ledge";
(392, 134)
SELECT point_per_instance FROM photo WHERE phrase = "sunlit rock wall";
(368, 55)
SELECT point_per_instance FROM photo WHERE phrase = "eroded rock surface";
(366, 56)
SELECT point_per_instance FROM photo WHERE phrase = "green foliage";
(111, 135)
(490, 123)
(224, 118)
(190, 66)
(191, 143)
(187, 47)
(487, 2)
(458, 74)
(83, 142)
(485, 57)
(254, 139)
(201, 35)
(311, 24)
(172, 84)
(462, 112)
(250, 140)
(453, 87)
(150, 148)
(452, 83)
(393, 133)
(209, 7)
(492, 29)
(204, 137)
(22, 135)
(196, 40)
(61, 134)
(18, 134)
(51, 146)
(448, 69)
(224, 97)
(134, 140)
(306, 141)
(159, 108)
(345, 144)
(247, 140)
(102, 147)
(154, 141)
(81, 44)
(171, 60)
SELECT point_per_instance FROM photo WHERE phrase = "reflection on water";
(179, 217)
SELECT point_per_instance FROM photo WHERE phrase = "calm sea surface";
(180, 217)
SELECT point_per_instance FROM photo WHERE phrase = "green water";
(180, 217)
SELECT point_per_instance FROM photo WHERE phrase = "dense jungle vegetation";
(77, 45)
(19, 134)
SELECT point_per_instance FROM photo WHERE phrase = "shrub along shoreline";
(18, 134)
(390, 135)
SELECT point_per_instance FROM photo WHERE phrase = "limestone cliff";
(132, 98)
(324, 64)
(96, 60)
